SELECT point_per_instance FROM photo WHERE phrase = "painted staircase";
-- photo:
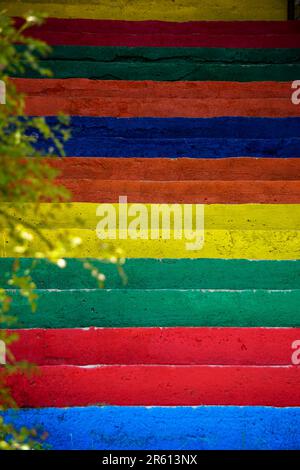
(168, 106)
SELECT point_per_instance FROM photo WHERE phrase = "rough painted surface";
(166, 274)
(256, 217)
(178, 346)
(84, 97)
(172, 64)
(200, 192)
(175, 55)
(240, 180)
(256, 244)
(154, 27)
(181, 137)
(137, 89)
(165, 428)
(178, 169)
(222, 127)
(176, 71)
(251, 231)
(63, 386)
(160, 107)
(242, 34)
(87, 146)
(166, 10)
(155, 307)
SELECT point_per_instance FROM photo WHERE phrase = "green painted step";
(159, 308)
(165, 274)
(194, 54)
(158, 63)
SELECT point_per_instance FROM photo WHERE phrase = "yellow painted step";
(216, 216)
(253, 231)
(165, 10)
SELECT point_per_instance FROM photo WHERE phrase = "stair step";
(251, 231)
(171, 63)
(62, 386)
(188, 192)
(153, 27)
(166, 10)
(181, 55)
(170, 72)
(148, 273)
(147, 89)
(161, 428)
(178, 346)
(178, 169)
(233, 34)
(278, 244)
(244, 217)
(161, 107)
(220, 137)
(76, 308)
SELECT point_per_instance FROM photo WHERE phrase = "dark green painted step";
(192, 54)
(146, 63)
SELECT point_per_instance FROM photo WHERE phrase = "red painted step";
(82, 32)
(63, 386)
(181, 346)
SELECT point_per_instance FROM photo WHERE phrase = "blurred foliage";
(297, 10)
(27, 180)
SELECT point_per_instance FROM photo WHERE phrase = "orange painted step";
(189, 192)
(184, 180)
(85, 97)
(181, 169)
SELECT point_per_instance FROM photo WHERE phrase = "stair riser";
(63, 386)
(166, 10)
(139, 428)
(178, 346)
(158, 308)
(165, 274)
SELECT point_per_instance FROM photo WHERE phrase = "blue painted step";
(169, 428)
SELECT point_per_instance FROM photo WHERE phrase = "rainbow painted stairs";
(170, 106)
